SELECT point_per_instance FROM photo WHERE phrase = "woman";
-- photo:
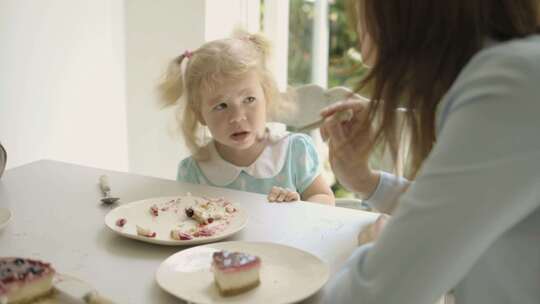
(468, 74)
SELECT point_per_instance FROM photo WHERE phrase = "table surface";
(57, 217)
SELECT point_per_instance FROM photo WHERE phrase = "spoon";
(341, 116)
(106, 189)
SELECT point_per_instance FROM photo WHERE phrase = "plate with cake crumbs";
(179, 220)
(242, 272)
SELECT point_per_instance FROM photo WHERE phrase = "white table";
(57, 217)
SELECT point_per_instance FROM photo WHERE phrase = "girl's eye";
(219, 107)
(249, 99)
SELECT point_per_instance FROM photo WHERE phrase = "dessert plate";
(5, 217)
(138, 214)
(287, 274)
(59, 296)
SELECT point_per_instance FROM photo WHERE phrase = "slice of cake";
(208, 211)
(145, 232)
(22, 280)
(235, 272)
(184, 231)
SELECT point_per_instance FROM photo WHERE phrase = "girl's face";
(235, 112)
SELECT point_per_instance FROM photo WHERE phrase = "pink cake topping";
(14, 270)
(121, 222)
(145, 232)
(184, 236)
(204, 232)
(154, 210)
(227, 261)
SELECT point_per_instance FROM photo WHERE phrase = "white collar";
(269, 163)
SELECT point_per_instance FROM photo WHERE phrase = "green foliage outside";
(345, 68)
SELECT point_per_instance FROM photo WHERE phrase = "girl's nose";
(237, 115)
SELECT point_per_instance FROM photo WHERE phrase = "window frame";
(276, 28)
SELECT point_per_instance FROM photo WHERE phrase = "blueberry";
(5, 272)
(34, 270)
(19, 261)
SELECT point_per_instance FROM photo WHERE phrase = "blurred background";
(78, 77)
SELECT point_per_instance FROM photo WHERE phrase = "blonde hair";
(206, 68)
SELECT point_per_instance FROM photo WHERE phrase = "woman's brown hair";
(420, 48)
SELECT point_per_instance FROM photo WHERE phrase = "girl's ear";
(196, 113)
(200, 118)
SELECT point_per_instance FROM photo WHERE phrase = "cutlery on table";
(106, 189)
(79, 290)
(3, 159)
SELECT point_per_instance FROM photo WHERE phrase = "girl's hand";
(373, 231)
(349, 143)
(278, 194)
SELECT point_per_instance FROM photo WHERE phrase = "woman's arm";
(387, 192)
(480, 180)
(349, 156)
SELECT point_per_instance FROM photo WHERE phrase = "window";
(316, 46)
(328, 56)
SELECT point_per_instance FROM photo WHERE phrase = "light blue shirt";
(290, 161)
(471, 219)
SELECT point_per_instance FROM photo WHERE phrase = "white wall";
(62, 82)
(276, 28)
(222, 17)
(157, 32)
(78, 77)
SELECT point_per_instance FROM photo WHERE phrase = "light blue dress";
(289, 161)
(471, 220)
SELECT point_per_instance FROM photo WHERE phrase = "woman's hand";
(280, 195)
(349, 143)
(373, 231)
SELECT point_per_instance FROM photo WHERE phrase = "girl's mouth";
(239, 136)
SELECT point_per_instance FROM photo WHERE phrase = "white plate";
(137, 213)
(5, 217)
(78, 288)
(287, 274)
(57, 296)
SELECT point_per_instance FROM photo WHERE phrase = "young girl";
(227, 89)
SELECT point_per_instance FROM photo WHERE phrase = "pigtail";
(262, 44)
(190, 126)
(172, 86)
(258, 40)
(171, 90)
